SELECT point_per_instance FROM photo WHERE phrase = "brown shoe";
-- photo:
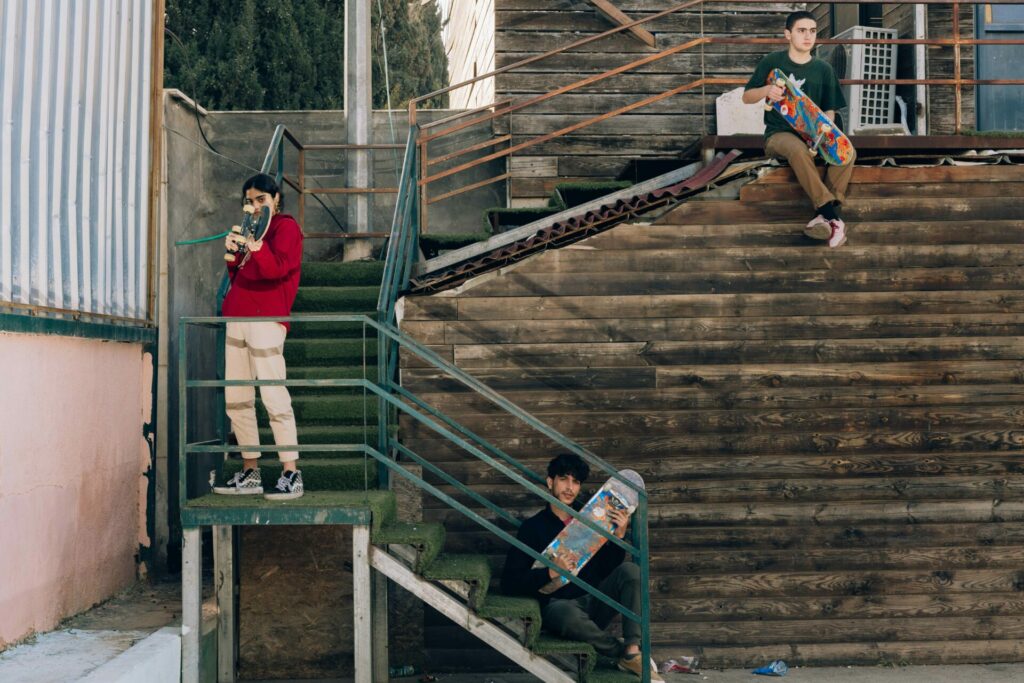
(633, 664)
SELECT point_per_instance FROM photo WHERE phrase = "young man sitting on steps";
(570, 612)
(819, 82)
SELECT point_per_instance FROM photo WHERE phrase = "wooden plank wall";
(469, 43)
(831, 437)
(530, 27)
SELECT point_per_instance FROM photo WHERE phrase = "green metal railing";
(399, 403)
(401, 255)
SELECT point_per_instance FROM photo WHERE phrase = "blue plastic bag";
(776, 668)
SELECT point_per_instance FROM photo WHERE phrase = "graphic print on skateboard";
(809, 121)
(577, 543)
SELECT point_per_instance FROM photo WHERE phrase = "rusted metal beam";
(467, 188)
(353, 190)
(480, 145)
(613, 14)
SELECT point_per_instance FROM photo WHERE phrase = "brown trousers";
(793, 149)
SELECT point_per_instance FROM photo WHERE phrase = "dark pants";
(586, 618)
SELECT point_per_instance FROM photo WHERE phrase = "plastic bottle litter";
(776, 668)
(683, 665)
(399, 671)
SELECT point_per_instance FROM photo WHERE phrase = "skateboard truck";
(823, 131)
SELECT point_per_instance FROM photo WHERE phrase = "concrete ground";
(972, 673)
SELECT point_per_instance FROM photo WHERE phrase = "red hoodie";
(265, 283)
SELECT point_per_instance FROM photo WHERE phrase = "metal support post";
(362, 604)
(191, 602)
(227, 602)
(380, 627)
(358, 109)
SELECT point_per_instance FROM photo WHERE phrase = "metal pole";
(956, 66)
(358, 109)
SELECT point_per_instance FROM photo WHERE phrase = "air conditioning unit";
(868, 105)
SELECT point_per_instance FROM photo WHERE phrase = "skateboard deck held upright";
(574, 547)
(809, 121)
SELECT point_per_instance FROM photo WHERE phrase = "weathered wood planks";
(832, 439)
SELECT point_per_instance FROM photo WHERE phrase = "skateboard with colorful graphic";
(809, 121)
(578, 543)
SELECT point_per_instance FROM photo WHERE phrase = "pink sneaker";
(818, 228)
(838, 236)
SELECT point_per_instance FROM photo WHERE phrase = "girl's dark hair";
(797, 16)
(569, 463)
(263, 183)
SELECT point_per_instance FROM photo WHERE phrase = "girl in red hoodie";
(264, 279)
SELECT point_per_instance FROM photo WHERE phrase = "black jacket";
(536, 532)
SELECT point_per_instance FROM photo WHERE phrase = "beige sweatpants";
(256, 351)
(790, 147)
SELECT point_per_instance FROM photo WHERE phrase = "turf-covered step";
(341, 273)
(381, 504)
(473, 570)
(340, 474)
(335, 329)
(345, 352)
(335, 299)
(506, 609)
(426, 537)
(331, 372)
(328, 435)
(583, 653)
(330, 409)
(575, 194)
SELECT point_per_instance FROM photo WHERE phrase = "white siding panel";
(74, 154)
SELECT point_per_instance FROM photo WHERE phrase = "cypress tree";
(289, 54)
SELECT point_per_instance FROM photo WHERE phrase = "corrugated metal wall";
(74, 154)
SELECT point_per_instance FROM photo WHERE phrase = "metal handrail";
(425, 179)
(388, 393)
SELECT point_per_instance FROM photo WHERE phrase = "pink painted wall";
(72, 475)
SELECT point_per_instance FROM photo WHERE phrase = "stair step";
(336, 299)
(758, 192)
(639, 236)
(602, 675)
(381, 503)
(329, 434)
(426, 537)
(330, 409)
(340, 474)
(473, 570)
(898, 209)
(525, 611)
(341, 273)
(349, 352)
(334, 329)
(552, 647)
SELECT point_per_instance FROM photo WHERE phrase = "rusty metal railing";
(442, 130)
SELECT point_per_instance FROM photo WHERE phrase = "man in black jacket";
(570, 612)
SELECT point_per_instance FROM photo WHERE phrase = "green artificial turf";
(344, 473)
(434, 243)
(336, 299)
(381, 503)
(505, 607)
(341, 273)
(549, 645)
(473, 569)
(331, 410)
(575, 194)
(426, 537)
(499, 219)
(347, 352)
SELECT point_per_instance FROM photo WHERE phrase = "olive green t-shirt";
(816, 78)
